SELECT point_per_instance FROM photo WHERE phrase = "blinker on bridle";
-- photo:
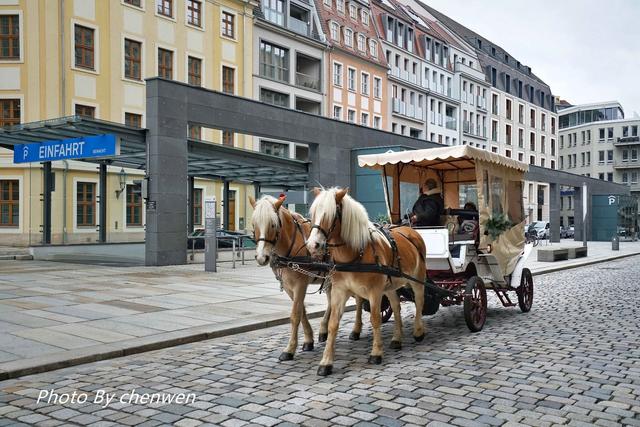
(327, 234)
(273, 241)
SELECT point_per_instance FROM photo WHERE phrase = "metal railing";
(307, 81)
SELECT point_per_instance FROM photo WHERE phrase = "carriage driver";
(429, 206)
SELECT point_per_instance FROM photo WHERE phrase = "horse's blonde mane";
(264, 213)
(355, 220)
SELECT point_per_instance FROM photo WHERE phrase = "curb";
(202, 334)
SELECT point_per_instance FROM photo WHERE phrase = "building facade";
(91, 58)
(356, 70)
(596, 140)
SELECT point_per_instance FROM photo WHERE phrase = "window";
(609, 133)
(84, 47)
(9, 203)
(228, 25)
(197, 206)
(351, 79)
(275, 98)
(337, 112)
(533, 118)
(377, 122)
(9, 112)
(335, 31)
(274, 148)
(364, 119)
(9, 37)
(508, 108)
(351, 116)
(362, 43)
(532, 141)
(601, 157)
(364, 80)
(353, 11)
(609, 156)
(521, 113)
(86, 204)
(373, 48)
(601, 176)
(134, 205)
(136, 3)
(274, 61)
(377, 87)
(601, 134)
(132, 59)
(195, 71)
(625, 178)
(340, 5)
(337, 74)
(348, 37)
(194, 12)
(165, 7)
(228, 80)
(634, 130)
(85, 111)
(227, 138)
(195, 132)
(165, 63)
(133, 120)
(610, 176)
(364, 15)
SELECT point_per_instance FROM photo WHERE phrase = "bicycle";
(531, 237)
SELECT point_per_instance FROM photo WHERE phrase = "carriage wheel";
(525, 291)
(475, 304)
(385, 309)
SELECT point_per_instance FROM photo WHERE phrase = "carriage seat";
(439, 250)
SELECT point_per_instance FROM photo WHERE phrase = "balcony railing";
(466, 127)
(627, 140)
(463, 68)
(494, 136)
(481, 102)
(307, 81)
(399, 106)
(300, 27)
(627, 164)
(451, 123)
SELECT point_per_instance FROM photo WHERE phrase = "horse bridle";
(273, 241)
(327, 234)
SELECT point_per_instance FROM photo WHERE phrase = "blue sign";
(74, 148)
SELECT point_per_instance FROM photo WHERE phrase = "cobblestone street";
(574, 359)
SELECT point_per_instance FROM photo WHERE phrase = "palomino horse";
(341, 226)
(281, 233)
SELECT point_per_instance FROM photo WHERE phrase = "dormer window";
(493, 51)
(348, 37)
(335, 31)
(364, 15)
(362, 43)
(353, 11)
(373, 48)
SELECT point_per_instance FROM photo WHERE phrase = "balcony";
(451, 123)
(481, 103)
(409, 110)
(627, 164)
(463, 68)
(300, 27)
(399, 106)
(308, 106)
(627, 140)
(308, 72)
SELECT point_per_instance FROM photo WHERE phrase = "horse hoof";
(322, 337)
(354, 336)
(308, 346)
(284, 356)
(375, 360)
(324, 370)
(396, 345)
(419, 338)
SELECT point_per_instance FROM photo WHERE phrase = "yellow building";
(91, 58)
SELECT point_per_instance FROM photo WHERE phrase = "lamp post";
(122, 177)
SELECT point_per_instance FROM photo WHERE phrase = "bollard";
(615, 243)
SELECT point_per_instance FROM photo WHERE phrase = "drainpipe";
(63, 80)
(64, 202)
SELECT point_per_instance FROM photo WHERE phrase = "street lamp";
(122, 177)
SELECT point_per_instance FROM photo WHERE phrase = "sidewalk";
(54, 315)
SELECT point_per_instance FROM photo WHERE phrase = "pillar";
(102, 228)
(167, 151)
(225, 209)
(191, 207)
(554, 212)
(47, 187)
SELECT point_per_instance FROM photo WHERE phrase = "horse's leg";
(418, 325)
(308, 331)
(292, 291)
(375, 300)
(357, 326)
(394, 299)
(338, 300)
(322, 335)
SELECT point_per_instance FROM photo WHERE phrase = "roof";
(445, 158)
(591, 106)
(205, 159)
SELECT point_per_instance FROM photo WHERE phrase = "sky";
(585, 50)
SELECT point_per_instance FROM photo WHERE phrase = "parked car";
(225, 239)
(541, 228)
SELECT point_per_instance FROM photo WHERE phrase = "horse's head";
(326, 218)
(266, 226)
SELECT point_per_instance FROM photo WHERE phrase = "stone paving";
(574, 359)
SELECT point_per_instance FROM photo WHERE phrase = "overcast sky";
(586, 50)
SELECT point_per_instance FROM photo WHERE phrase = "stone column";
(554, 212)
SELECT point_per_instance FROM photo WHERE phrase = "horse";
(279, 232)
(341, 227)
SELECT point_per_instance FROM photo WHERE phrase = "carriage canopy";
(492, 182)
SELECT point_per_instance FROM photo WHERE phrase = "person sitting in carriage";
(429, 207)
